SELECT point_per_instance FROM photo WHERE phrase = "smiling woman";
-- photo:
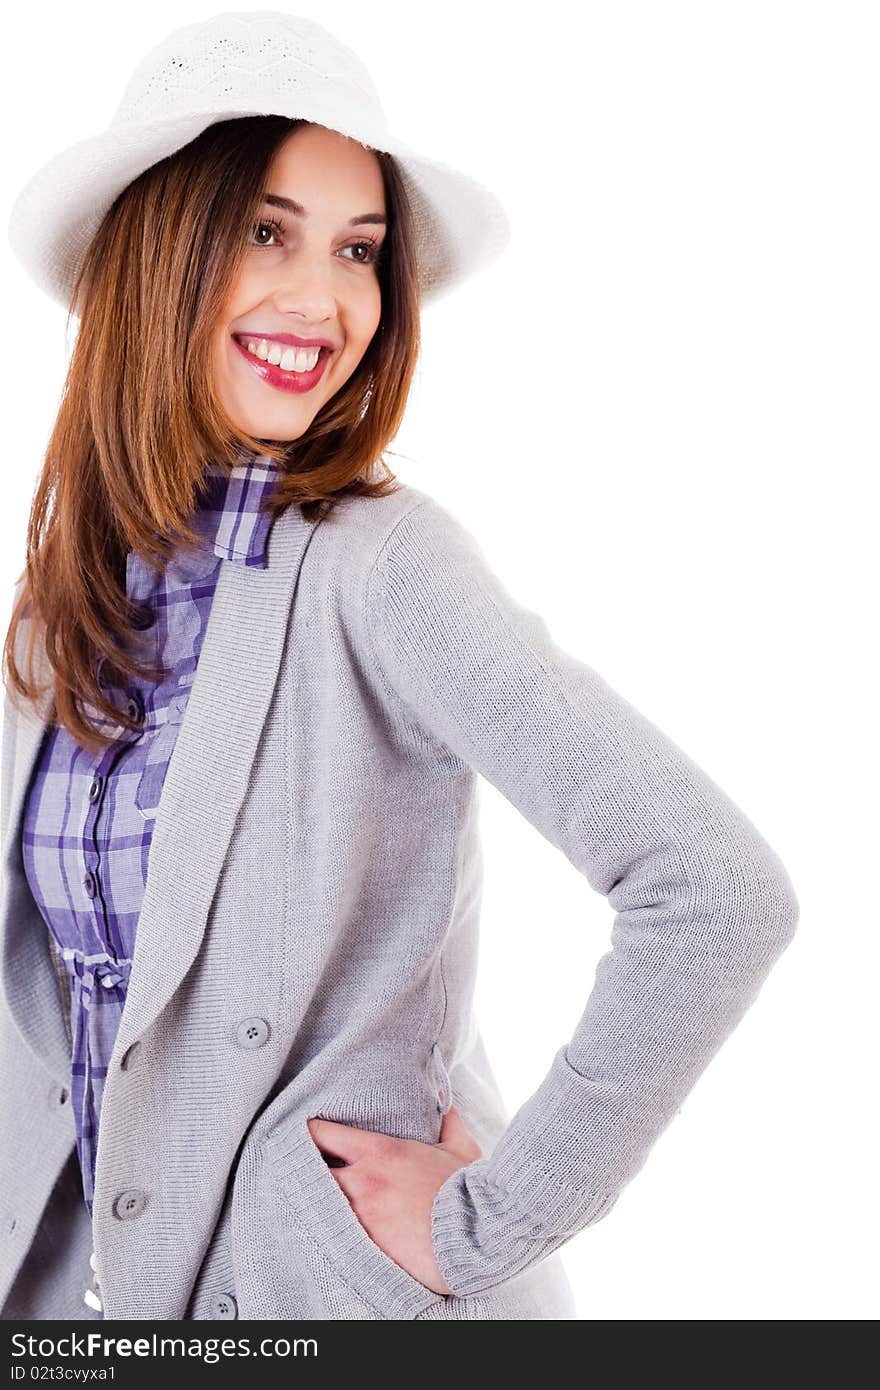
(311, 284)
(235, 295)
(249, 290)
(264, 880)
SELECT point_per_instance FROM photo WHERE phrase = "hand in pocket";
(391, 1184)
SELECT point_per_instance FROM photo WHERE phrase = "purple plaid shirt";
(88, 822)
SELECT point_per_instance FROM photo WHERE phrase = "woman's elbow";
(766, 909)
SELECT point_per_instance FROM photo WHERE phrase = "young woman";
(251, 681)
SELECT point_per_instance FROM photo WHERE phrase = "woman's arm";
(703, 904)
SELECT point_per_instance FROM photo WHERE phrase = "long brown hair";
(139, 419)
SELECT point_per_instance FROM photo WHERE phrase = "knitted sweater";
(307, 943)
(88, 822)
(703, 904)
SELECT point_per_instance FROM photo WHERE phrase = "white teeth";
(289, 359)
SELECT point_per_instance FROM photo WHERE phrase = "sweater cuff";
(481, 1236)
(495, 1217)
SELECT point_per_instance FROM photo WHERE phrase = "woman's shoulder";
(365, 526)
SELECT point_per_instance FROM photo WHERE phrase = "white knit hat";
(247, 63)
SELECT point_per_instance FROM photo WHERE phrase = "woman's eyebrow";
(288, 204)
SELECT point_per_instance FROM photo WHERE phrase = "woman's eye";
(369, 249)
(273, 226)
(372, 248)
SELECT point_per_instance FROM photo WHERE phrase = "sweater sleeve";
(703, 905)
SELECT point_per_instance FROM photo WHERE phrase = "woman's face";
(310, 276)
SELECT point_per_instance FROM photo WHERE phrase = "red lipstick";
(297, 382)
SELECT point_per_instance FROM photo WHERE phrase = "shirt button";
(90, 885)
(129, 1204)
(95, 788)
(224, 1306)
(92, 1299)
(252, 1032)
(134, 709)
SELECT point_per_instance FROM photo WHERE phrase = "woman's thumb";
(455, 1136)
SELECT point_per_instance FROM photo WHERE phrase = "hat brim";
(460, 226)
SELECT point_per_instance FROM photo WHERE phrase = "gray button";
(134, 709)
(130, 1056)
(95, 788)
(89, 884)
(129, 1203)
(223, 1305)
(252, 1032)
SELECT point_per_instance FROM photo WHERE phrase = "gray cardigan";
(308, 943)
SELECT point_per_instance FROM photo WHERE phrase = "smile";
(283, 378)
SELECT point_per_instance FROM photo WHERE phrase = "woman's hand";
(391, 1185)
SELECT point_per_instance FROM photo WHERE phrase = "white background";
(658, 413)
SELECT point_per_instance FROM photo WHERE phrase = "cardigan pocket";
(438, 1075)
(321, 1210)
